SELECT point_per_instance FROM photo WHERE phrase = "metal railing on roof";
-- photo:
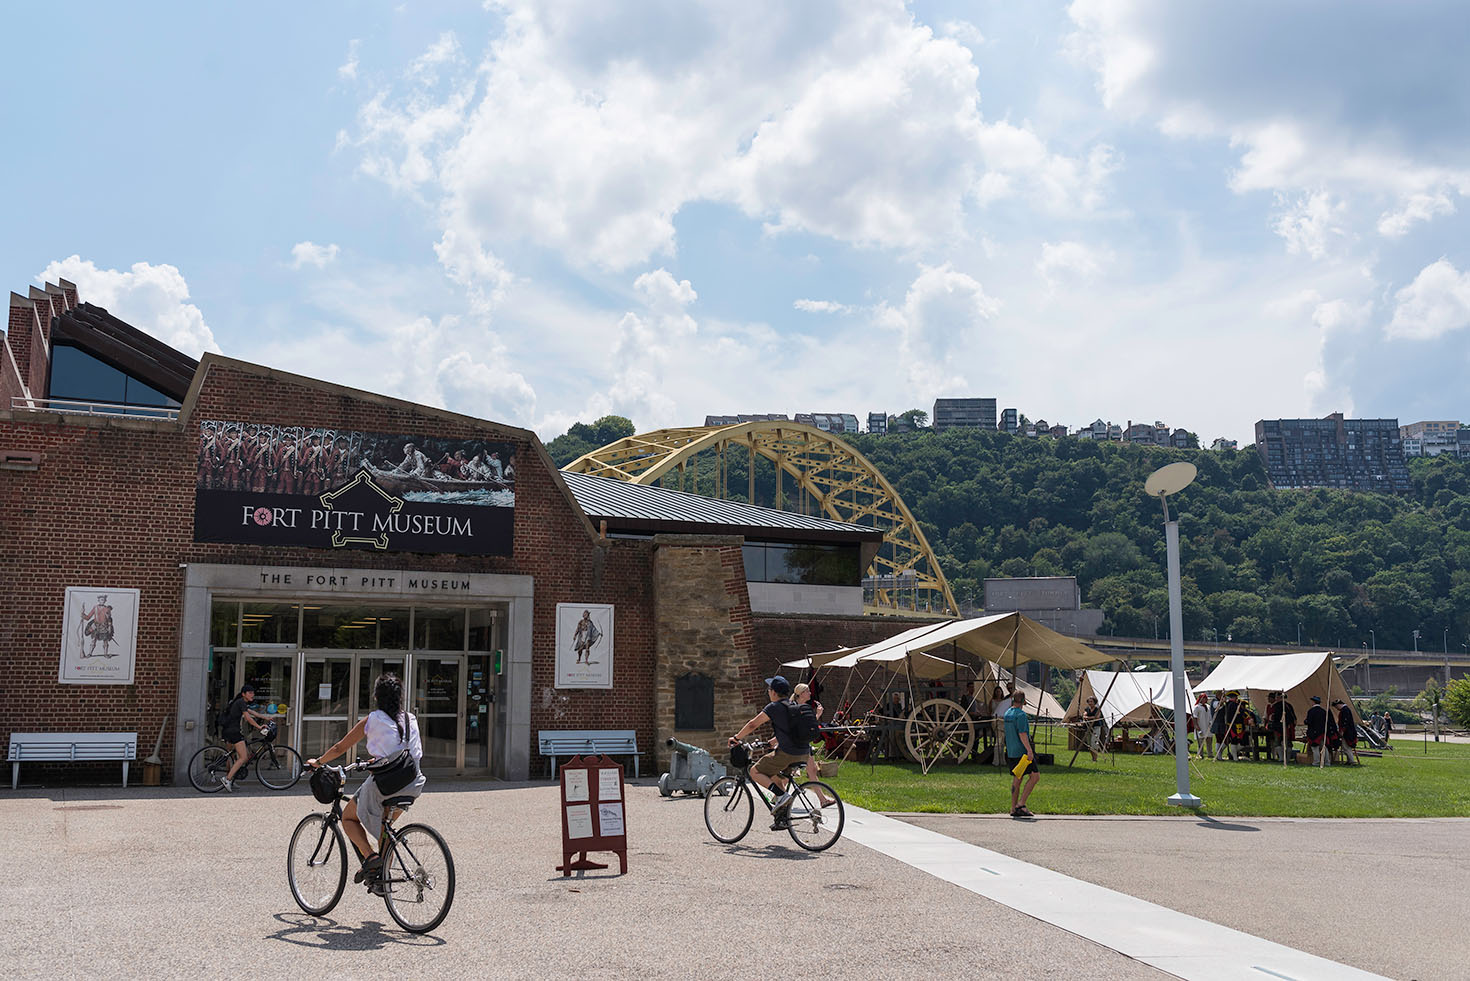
(116, 410)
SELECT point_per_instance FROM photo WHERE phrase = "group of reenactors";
(278, 462)
(1231, 725)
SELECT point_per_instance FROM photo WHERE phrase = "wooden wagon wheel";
(938, 730)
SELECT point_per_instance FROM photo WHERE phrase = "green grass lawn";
(1404, 782)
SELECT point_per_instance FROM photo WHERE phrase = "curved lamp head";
(1170, 480)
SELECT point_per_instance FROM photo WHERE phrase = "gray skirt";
(370, 803)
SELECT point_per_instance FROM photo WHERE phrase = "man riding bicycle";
(786, 748)
(239, 710)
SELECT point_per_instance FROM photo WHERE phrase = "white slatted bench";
(62, 747)
(580, 742)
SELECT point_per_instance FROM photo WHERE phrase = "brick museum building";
(171, 529)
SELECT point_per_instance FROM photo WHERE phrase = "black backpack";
(804, 724)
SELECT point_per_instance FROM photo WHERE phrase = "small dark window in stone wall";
(694, 702)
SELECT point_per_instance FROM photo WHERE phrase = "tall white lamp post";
(1161, 483)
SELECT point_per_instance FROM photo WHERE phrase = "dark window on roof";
(75, 374)
(822, 565)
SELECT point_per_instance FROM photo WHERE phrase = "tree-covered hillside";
(1259, 565)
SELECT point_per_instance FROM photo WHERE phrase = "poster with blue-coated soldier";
(99, 636)
(584, 645)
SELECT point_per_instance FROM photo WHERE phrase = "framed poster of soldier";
(99, 636)
(584, 645)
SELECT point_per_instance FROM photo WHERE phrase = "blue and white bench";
(62, 747)
(581, 742)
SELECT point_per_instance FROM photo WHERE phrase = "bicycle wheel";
(207, 769)
(418, 878)
(316, 864)
(728, 810)
(816, 816)
(278, 767)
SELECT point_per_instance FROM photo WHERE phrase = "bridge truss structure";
(828, 477)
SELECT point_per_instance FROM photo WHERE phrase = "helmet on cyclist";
(325, 784)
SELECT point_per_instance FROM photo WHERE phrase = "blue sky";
(538, 213)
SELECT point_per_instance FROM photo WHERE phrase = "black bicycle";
(814, 819)
(415, 879)
(277, 767)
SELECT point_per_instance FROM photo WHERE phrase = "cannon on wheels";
(692, 770)
(938, 730)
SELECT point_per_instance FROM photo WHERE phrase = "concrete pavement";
(169, 883)
(1383, 895)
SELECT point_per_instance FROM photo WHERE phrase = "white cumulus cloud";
(152, 298)
(311, 254)
(348, 69)
(587, 126)
(1435, 303)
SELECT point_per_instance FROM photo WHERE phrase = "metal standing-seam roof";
(638, 508)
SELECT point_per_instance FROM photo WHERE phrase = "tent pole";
(1100, 704)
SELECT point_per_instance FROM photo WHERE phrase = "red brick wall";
(10, 384)
(20, 333)
(113, 505)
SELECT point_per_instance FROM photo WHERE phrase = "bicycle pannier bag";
(394, 772)
(325, 784)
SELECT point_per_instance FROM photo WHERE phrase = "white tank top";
(382, 735)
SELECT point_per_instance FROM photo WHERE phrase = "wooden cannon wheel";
(938, 730)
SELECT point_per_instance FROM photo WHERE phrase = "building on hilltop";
(736, 420)
(1432, 438)
(1010, 421)
(878, 423)
(829, 422)
(1221, 443)
(955, 413)
(1351, 454)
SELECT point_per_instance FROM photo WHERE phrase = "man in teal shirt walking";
(1018, 744)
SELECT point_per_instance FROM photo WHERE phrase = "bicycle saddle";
(399, 802)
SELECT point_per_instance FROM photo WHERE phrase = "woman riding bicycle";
(239, 711)
(390, 731)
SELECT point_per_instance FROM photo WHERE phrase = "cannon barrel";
(682, 747)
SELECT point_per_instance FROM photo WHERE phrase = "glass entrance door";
(438, 690)
(326, 697)
(272, 677)
(368, 669)
(479, 718)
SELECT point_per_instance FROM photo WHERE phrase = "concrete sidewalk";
(171, 883)
(1382, 895)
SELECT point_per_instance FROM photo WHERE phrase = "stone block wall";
(703, 624)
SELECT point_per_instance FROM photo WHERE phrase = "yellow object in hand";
(1020, 767)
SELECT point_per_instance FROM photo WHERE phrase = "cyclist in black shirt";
(786, 748)
(239, 708)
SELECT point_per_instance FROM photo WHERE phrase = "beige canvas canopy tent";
(1127, 696)
(1299, 675)
(1007, 639)
(813, 661)
(940, 728)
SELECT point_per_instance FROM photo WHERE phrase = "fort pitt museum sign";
(324, 488)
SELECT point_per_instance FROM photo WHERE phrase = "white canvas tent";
(1007, 639)
(812, 661)
(1127, 696)
(1299, 675)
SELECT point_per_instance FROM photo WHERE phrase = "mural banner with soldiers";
(331, 488)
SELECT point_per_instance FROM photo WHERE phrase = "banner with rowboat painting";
(337, 488)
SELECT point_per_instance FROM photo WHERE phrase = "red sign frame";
(593, 766)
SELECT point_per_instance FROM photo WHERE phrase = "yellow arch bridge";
(828, 477)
